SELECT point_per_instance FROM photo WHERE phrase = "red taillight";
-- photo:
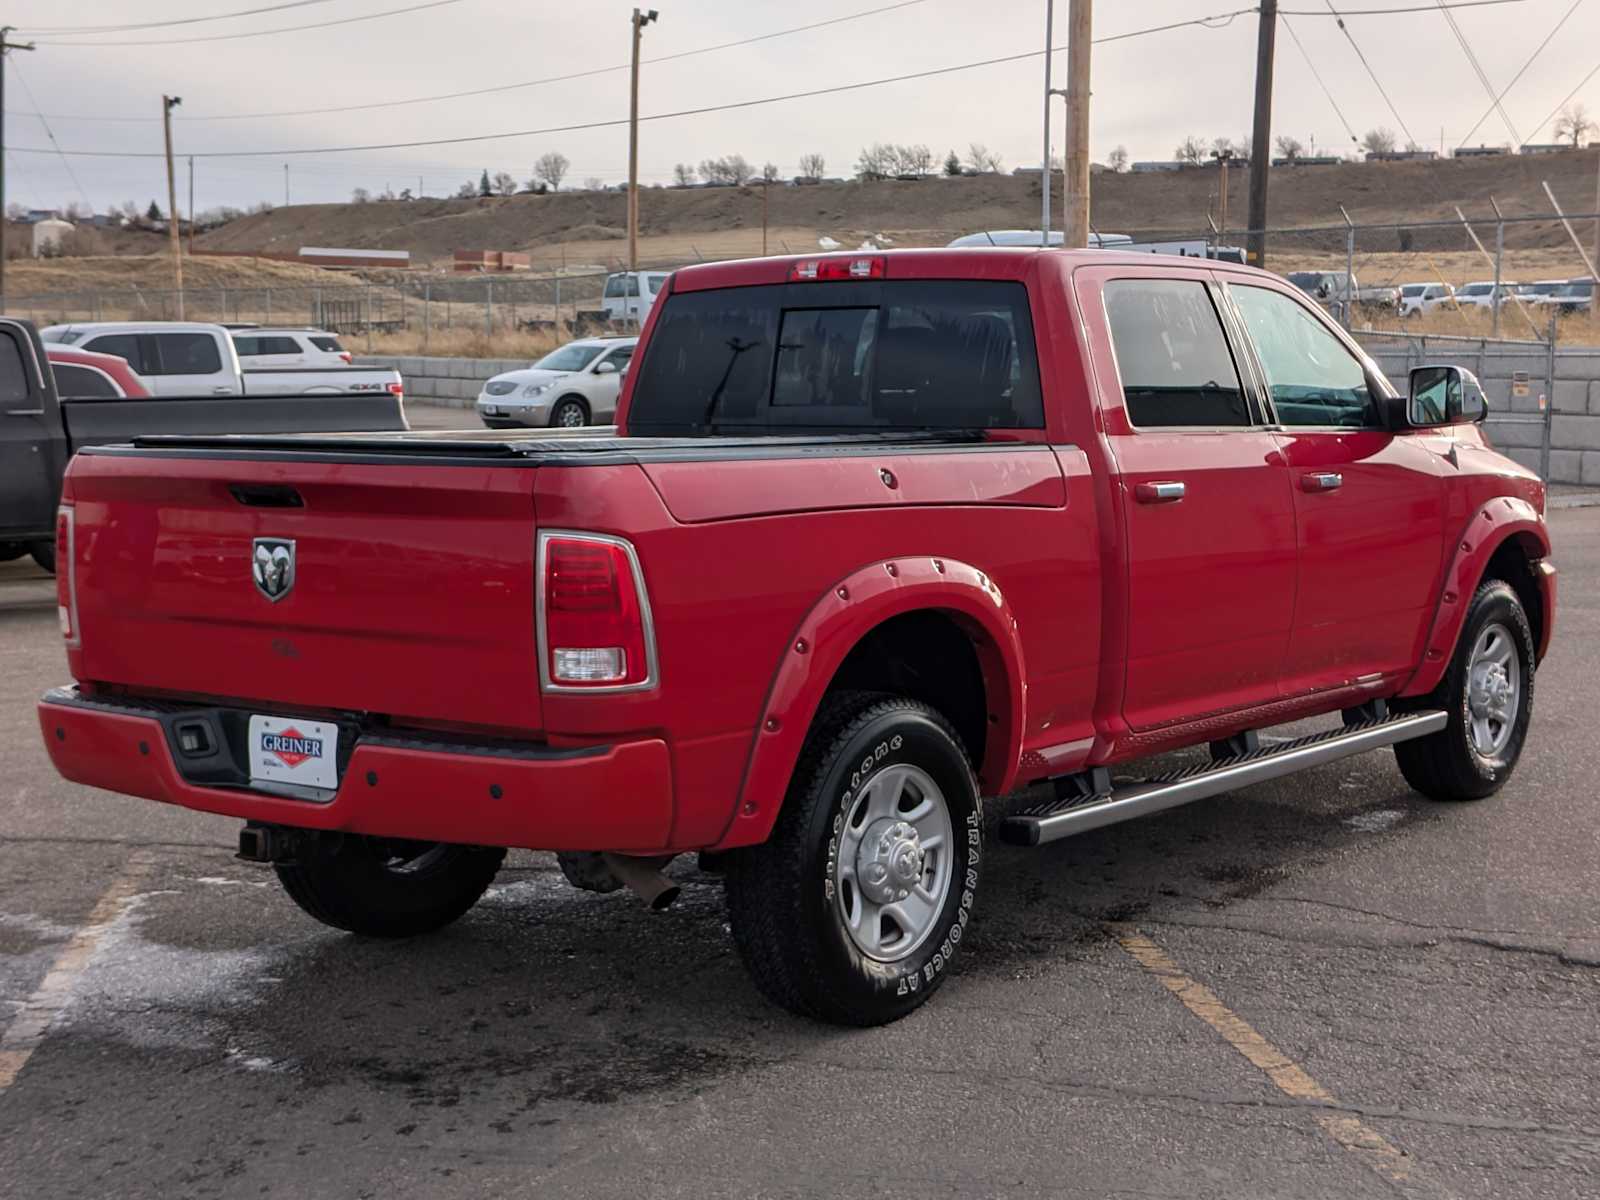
(842, 267)
(345, 354)
(397, 389)
(67, 575)
(594, 620)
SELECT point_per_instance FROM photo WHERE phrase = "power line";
(228, 37)
(1582, 83)
(245, 12)
(1477, 68)
(1376, 82)
(1389, 12)
(528, 83)
(1314, 74)
(1549, 37)
(586, 125)
(71, 174)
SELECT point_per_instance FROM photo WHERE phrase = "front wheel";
(570, 414)
(855, 907)
(383, 887)
(1488, 692)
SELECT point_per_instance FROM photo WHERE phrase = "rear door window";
(897, 355)
(125, 346)
(13, 372)
(1172, 356)
(186, 354)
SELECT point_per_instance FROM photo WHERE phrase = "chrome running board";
(1059, 818)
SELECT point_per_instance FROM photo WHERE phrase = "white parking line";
(33, 1020)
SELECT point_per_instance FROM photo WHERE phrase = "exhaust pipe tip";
(644, 879)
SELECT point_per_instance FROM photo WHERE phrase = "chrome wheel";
(570, 416)
(1493, 690)
(893, 866)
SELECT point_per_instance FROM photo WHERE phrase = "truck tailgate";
(412, 594)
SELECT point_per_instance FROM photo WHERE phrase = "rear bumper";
(601, 798)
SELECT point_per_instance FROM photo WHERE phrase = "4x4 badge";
(272, 567)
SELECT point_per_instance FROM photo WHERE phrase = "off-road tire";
(785, 920)
(1446, 765)
(351, 883)
(44, 553)
(567, 405)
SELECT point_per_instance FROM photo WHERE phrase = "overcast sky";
(1149, 92)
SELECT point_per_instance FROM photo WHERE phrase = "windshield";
(1476, 289)
(574, 356)
(1305, 278)
(1413, 289)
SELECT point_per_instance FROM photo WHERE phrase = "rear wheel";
(1488, 692)
(570, 414)
(383, 887)
(44, 553)
(854, 908)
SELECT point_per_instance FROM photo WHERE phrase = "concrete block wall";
(1515, 423)
(454, 382)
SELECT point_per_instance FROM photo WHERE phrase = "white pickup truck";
(178, 358)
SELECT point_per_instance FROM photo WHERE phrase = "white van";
(629, 295)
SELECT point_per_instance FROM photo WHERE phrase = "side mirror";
(1444, 395)
(606, 368)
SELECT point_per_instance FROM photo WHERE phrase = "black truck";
(39, 431)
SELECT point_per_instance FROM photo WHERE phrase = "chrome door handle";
(1321, 481)
(1162, 492)
(24, 412)
(222, 391)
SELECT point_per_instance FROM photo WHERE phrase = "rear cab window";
(126, 346)
(83, 383)
(846, 356)
(185, 354)
(329, 345)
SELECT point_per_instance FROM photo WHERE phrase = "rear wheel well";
(1512, 562)
(926, 656)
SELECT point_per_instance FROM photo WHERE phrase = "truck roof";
(946, 262)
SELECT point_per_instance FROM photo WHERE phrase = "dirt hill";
(683, 224)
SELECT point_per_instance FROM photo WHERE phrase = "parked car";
(260, 347)
(89, 375)
(194, 359)
(875, 536)
(1574, 295)
(1481, 293)
(629, 295)
(1333, 289)
(574, 386)
(1418, 298)
(1541, 290)
(59, 399)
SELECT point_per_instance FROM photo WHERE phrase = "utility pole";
(765, 184)
(286, 185)
(1075, 192)
(1261, 135)
(1044, 161)
(168, 103)
(639, 20)
(1224, 157)
(191, 206)
(6, 46)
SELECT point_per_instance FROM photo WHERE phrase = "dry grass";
(56, 276)
(459, 343)
(1576, 329)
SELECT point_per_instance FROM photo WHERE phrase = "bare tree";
(1379, 141)
(1289, 147)
(504, 183)
(876, 161)
(769, 173)
(1117, 160)
(812, 166)
(467, 191)
(131, 210)
(916, 160)
(683, 175)
(1221, 146)
(731, 170)
(594, 184)
(1574, 125)
(77, 212)
(15, 211)
(552, 169)
(360, 196)
(982, 159)
(1191, 151)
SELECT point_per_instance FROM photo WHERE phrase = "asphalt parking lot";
(1323, 987)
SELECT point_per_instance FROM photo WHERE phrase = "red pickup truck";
(875, 536)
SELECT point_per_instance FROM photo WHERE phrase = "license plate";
(289, 750)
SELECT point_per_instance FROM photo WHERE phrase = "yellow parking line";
(1288, 1076)
(28, 1028)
